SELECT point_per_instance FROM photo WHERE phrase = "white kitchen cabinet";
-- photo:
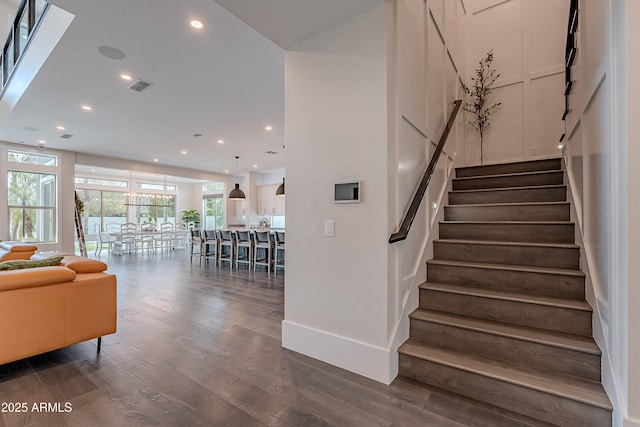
(279, 205)
(267, 199)
(240, 207)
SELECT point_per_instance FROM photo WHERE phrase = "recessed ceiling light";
(60, 127)
(226, 171)
(196, 24)
(560, 146)
(183, 152)
(126, 77)
(156, 160)
(93, 170)
(220, 141)
(87, 108)
(268, 127)
(255, 166)
(42, 141)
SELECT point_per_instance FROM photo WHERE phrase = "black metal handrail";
(570, 55)
(422, 188)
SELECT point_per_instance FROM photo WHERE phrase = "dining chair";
(129, 237)
(147, 236)
(164, 239)
(104, 238)
(180, 235)
(244, 247)
(114, 231)
(262, 250)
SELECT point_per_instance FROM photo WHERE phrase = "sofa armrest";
(91, 307)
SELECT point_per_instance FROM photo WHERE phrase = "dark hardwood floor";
(200, 345)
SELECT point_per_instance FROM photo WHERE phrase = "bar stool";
(226, 241)
(195, 241)
(262, 242)
(210, 243)
(244, 247)
(278, 255)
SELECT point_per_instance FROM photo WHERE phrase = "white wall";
(427, 54)
(630, 226)
(336, 131)
(601, 153)
(528, 40)
(362, 102)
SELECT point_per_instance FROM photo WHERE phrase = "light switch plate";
(329, 229)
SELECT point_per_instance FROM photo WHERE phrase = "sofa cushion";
(49, 254)
(20, 264)
(82, 265)
(18, 247)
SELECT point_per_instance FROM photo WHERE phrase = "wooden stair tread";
(514, 244)
(491, 223)
(526, 333)
(508, 296)
(509, 174)
(508, 204)
(585, 391)
(537, 187)
(552, 163)
(509, 267)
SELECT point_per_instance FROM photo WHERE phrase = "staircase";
(502, 317)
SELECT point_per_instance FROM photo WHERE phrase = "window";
(214, 212)
(154, 205)
(101, 208)
(103, 182)
(160, 187)
(213, 187)
(155, 208)
(32, 206)
(33, 159)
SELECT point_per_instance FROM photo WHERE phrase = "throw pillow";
(21, 264)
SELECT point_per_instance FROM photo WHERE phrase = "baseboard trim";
(628, 422)
(355, 356)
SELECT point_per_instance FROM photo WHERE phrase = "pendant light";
(236, 193)
(280, 190)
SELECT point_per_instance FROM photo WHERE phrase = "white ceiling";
(225, 81)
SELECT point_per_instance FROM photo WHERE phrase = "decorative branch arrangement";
(478, 94)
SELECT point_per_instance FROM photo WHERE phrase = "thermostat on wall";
(347, 192)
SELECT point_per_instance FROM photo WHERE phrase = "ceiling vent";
(66, 136)
(270, 152)
(139, 85)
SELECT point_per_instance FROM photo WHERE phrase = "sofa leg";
(99, 344)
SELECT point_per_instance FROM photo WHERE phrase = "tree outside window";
(32, 205)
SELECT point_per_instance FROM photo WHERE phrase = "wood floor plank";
(96, 410)
(27, 389)
(200, 345)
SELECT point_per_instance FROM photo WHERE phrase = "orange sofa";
(16, 250)
(47, 308)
